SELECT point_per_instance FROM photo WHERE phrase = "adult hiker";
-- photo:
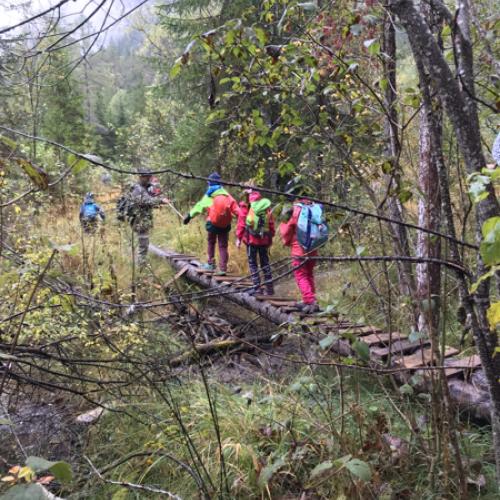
(90, 213)
(140, 204)
(256, 230)
(304, 231)
(220, 207)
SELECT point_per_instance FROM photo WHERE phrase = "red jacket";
(288, 232)
(242, 232)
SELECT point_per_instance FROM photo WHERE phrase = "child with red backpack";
(304, 231)
(256, 229)
(220, 207)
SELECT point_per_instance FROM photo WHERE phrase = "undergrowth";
(276, 437)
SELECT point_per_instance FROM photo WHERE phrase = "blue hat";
(213, 179)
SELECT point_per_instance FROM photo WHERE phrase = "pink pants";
(304, 277)
(222, 239)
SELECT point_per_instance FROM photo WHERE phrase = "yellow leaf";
(493, 314)
(26, 473)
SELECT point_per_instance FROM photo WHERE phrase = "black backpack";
(124, 209)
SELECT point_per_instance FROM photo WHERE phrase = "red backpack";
(220, 211)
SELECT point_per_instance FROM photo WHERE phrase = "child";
(220, 207)
(256, 229)
(303, 270)
(89, 213)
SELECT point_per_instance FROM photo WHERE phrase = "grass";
(272, 442)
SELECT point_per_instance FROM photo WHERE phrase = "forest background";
(386, 111)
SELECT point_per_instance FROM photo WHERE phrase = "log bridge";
(395, 350)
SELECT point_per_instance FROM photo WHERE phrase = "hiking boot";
(254, 291)
(269, 291)
(208, 267)
(311, 308)
(220, 273)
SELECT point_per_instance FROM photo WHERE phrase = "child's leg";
(266, 269)
(310, 276)
(302, 278)
(252, 264)
(212, 237)
(223, 253)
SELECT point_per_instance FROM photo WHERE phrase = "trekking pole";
(171, 205)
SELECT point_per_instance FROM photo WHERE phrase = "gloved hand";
(186, 219)
(238, 243)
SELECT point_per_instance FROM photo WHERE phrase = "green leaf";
(5, 421)
(373, 46)
(342, 461)
(176, 68)
(362, 349)
(328, 341)
(30, 491)
(477, 187)
(39, 464)
(320, 468)
(360, 250)
(359, 469)
(406, 389)
(404, 195)
(62, 472)
(261, 35)
(269, 470)
(490, 246)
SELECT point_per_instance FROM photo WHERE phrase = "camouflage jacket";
(141, 204)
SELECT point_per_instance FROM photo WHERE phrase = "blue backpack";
(312, 230)
(89, 211)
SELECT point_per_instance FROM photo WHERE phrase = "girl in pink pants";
(303, 270)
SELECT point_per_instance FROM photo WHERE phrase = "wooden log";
(471, 362)
(243, 299)
(382, 338)
(422, 357)
(399, 347)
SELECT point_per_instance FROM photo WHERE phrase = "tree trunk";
(399, 233)
(462, 113)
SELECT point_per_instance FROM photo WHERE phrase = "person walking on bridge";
(304, 230)
(220, 207)
(140, 212)
(256, 230)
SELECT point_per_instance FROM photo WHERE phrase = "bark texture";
(458, 100)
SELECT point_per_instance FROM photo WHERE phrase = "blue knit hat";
(214, 179)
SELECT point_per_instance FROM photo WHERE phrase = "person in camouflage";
(141, 204)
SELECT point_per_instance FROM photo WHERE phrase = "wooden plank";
(383, 338)
(176, 277)
(358, 329)
(400, 347)
(422, 357)
(279, 303)
(471, 362)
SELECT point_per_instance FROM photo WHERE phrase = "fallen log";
(216, 346)
(241, 298)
